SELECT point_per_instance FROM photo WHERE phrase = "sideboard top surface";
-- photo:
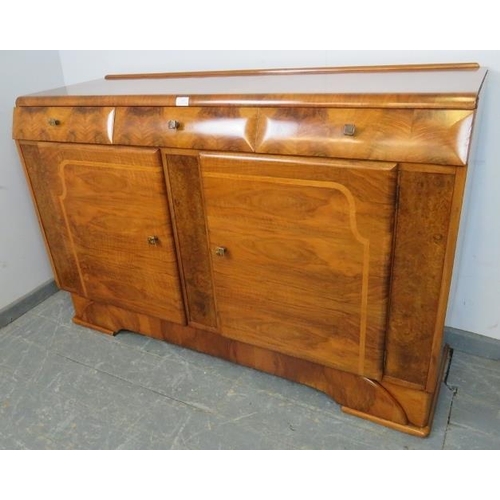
(438, 86)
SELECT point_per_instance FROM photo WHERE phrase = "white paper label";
(182, 101)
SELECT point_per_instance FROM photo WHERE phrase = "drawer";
(228, 129)
(400, 135)
(93, 125)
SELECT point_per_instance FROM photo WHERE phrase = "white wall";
(23, 261)
(475, 300)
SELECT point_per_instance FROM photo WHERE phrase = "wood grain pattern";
(186, 197)
(111, 211)
(423, 136)
(212, 128)
(98, 214)
(349, 390)
(92, 125)
(423, 225)
(41, 168)
(310, 256)
(418, 405)
(434, 375)
(324, 70)
(30, 153)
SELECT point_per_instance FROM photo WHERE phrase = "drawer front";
(92, 125)
(229, 129)
(401, 135)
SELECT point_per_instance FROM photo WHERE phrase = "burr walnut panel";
(186, 198)
(422, 234)
(93, 125)
(230, 129)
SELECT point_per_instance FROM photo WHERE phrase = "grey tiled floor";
(66, 387)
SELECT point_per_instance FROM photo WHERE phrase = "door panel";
(307, 251)
(108, 202)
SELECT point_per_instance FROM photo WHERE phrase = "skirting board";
(13, 311)
(472, 343)
(461, 340)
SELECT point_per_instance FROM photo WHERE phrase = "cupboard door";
(106, 220)
(301, 253)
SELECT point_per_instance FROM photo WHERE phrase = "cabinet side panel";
(47, 187)
(423, 221)
(187, 208)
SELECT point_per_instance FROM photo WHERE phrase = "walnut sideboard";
(302, 222)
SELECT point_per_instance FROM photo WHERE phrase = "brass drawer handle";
(153, 240)
(173, 124)
(53, 122)
(349, 129)
(220, 251)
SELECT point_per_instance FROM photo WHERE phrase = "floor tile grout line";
(273, 394)
(163, 395)
(132, 424)
(154, 391)
(454, 391)
(473, 429)
(357, 423)
(162, 357)
(448, 420)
